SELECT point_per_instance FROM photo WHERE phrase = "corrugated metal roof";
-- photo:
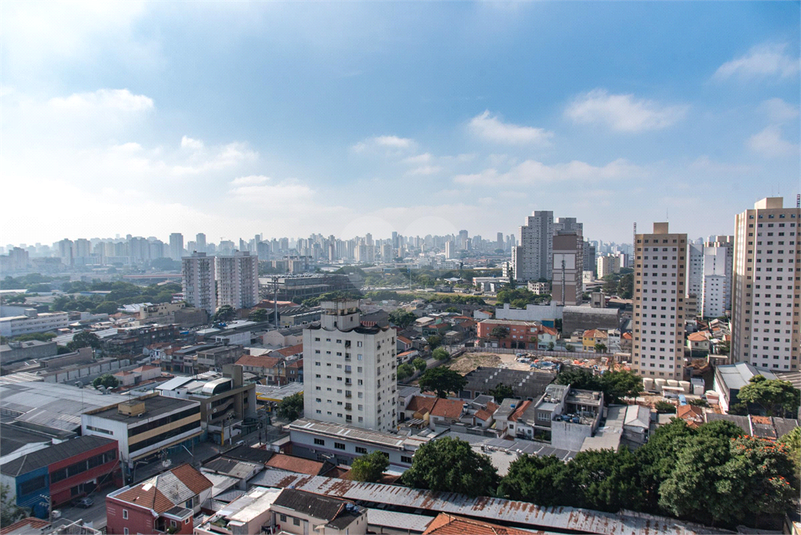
(391, 519)
(494, 509)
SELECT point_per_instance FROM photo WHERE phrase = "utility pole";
(275, 300)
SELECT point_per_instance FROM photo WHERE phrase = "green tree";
(224, 314)
(791, 443)
(499, 333)
(419, 364)
(569, 348)
(442, 380)
(450, 465)
(106, 307)
(545, 481)
(10, 512)
(600, 348)
(107, 380)
(259, 315)
(369, 468)
(434, 341)
(441, 353)
(619, 385)
(41, 337)
(698, 402)
(665, 407)
(401, 318)
(550, 346)
(84, 339)
(405, 371)
(657, 459)
(774, 396)
(291, 407)
(501, 392)
(606, 480)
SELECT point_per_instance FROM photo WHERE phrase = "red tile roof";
(152, 498)
(405, 340)
(694, 416)
(483, 415)
(296, 364)
(31, 523)
(194, 480)
(295, 464)
(421, 404)
(519, 411)
(291, 350)
(445, 524)
(261, 361)
(448, 408)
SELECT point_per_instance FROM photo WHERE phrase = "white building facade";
(237, 280)
(33, 323)
(766, 300)
(198, 281)
(659, 293)
(349, 370)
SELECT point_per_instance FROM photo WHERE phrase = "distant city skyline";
(347, 118)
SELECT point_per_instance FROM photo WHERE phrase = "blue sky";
(345, 118)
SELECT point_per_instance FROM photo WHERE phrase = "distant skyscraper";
(449, 250)
(767, 291)
(532, 258)
(499, 241)
(238, 280)
(658, 318)
(709, 276)
(200, 239)
(463, 243)
(568, 225)
(198, 281)
(176, 245)
(65, 252)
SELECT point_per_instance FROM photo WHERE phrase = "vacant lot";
(470, 361)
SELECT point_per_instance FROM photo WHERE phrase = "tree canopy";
(441, 353)
(615, 385)
(434, 341)
(224, 313)
(84, 339)
(10, 512)
(774, 396)
(401, 318)
(107, 380)
(449, 464)
(501, 392)
(405, 371)
(419, 364)
(259, 315)
(442, 380)
(291, 407)
(369, 468)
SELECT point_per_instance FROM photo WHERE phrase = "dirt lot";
(470, 361)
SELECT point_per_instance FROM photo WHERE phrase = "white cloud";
(708, 166)
(251, 180)
(390, 144)
(217, 158)
(192, 144)
(104, 99)
(285, 195)
(623, 112)
(426, 170)
(779, 111)
(770, 143)
(531, 172)
(761, 61)
(491, 128)
(419, 159)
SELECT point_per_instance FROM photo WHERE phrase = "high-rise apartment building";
(198, 281)
(532, 258)
(607, 265)
(567, 287)
(349, 375)
(715, 296)
(200, 242)
(660, 266)
(568, 225)
(238, 280)
(767, 289)
(176, 245)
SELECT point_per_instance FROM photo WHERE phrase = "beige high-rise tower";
(660, 268)
(767, 292)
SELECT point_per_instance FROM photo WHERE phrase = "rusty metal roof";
(493, 509)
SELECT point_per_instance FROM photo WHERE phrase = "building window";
(283, 518)
(296, 521)
(125, 531)
(339, 445)
(125, 514)
(407, 460)
(319, 442)
(361, 450)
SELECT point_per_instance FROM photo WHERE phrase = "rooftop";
(353, 433)
(154, 406)
(738, 375)
(53, 454)
(486, 508)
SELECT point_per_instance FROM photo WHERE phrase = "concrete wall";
(569, 436)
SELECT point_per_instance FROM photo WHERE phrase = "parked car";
(85, 502)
